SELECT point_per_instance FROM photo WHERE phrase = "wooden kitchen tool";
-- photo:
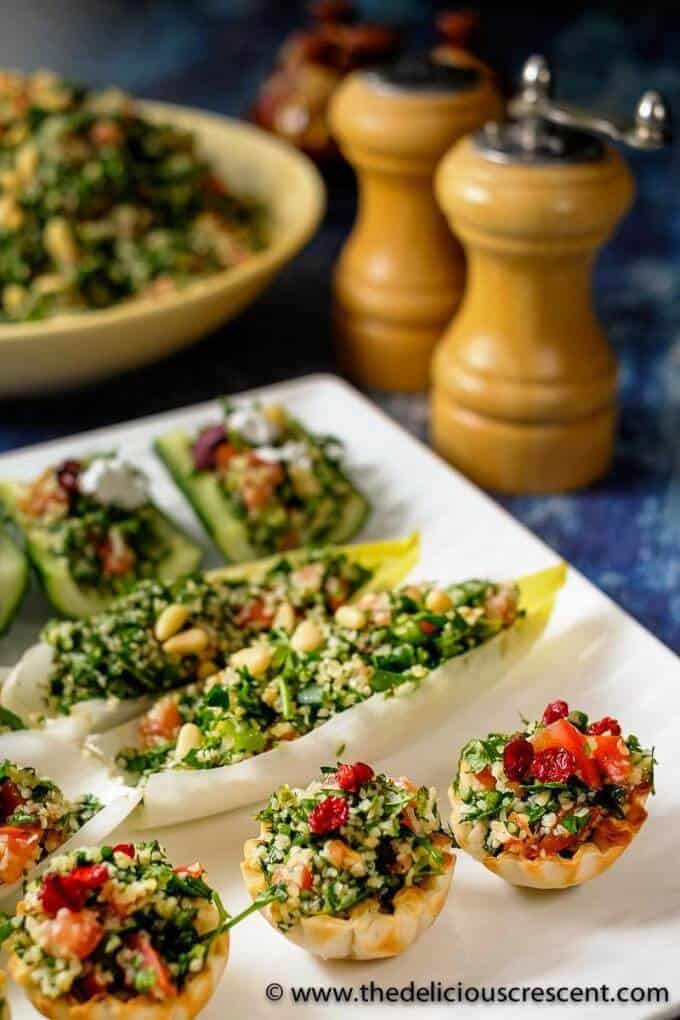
(524, 381)
(400, 275)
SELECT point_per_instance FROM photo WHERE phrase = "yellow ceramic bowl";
(68, 350)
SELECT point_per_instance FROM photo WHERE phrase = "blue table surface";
(624, 532)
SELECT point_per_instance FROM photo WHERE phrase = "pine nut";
(284, 618)
(13, 297)
(11, 215)
(27, 162)
(207, 669)
(188, 738)
(350, 617)
(275, 415)
(437, 601)
(307, 637)
(170, 621)
(188, 642)
(255, 659)
(59, 240)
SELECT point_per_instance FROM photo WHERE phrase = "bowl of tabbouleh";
(129, 229)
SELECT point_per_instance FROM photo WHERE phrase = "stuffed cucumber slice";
(13, 580)
(92, 531)
(261, 483)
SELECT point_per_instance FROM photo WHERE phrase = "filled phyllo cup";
(117, 933)
(354, 866)
(4, 1005)
(36, 818)
(554, 804)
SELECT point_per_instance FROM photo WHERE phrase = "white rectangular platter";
(622, 930)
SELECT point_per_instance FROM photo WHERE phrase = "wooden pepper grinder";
(524, 381)
(400, 275)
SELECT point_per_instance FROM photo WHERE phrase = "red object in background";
(311, 63)
(293, 100)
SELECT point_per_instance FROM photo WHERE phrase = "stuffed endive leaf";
(89, 675)
(375, 677)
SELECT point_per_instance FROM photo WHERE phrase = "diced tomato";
(72, 933)
(223, 454)
(486, 778)
(163, 987)
(256, 614)
(106, 134)
(409, 819)
(300, 875)
(124, 848)
(161, 723)
(19, 848)
(10, 798)
(306, 880)
(554, 844)
(195, 870)
(116, 558)
(562, 733)
(260, 481)
(405, 783)
(427, 627)
(613, 757)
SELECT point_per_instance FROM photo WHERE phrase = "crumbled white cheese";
(112, 480)
(251, 423)
(291, 452)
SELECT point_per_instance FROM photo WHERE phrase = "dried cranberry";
(206, 445)
(124, 848)
(554, 765)
(53, 896)
(328, 815)
(71, 890)
(67, 477)
(353, 777)
(10, 799)
(554, 711)
(518, 755)
(605, 725)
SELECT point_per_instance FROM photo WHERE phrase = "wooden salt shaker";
(524, 381)
(400, 274)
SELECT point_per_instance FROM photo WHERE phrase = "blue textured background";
(623, 533)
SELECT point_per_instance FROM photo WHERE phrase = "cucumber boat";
(13, 580)
(260, 483)
(91, 532)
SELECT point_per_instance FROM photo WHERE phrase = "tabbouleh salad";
(35, 819)
(350, 837)
(160, 636)
(95, 518)
(98, 203)
(281, 486)
(117, 921)
(554, 785)
(302, 672)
